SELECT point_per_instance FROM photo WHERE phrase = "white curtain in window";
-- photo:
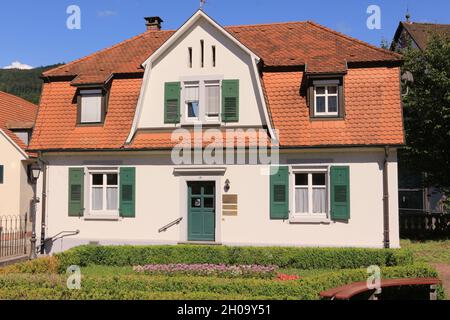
(212, 100)
(91, 108)
(111, 198)
(319, 200)
(191, 93)
(301, 200)
(97, 198)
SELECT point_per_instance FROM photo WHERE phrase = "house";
(16, 125)
(280, 134)
(414, 197)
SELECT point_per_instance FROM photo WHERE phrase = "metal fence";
(422, 224)
(13, 236)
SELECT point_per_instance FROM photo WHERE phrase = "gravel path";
(444, 275)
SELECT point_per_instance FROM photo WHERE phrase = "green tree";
(427, 111)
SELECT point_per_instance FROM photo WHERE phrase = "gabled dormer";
(201, 75)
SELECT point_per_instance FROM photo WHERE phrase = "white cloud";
(18, 65)
(106, 13)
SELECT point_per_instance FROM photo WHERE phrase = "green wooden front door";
(201, 211)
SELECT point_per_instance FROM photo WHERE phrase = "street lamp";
(35, 173)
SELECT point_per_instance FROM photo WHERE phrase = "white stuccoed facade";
(161, 198)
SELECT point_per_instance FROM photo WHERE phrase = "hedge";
(283, 257)
(45, 286)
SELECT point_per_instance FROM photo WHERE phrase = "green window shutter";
(76, 192)
(230, 100)
(2, 172)
(172, 102)
(340, 193)
(279, 194)
(127, 192)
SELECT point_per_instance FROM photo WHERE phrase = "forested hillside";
(23, 83)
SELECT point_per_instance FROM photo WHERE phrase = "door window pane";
(196, 202)
(209, 189)
(196, 189)
(208, 202)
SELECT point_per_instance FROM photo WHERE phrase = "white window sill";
(103, 217)
(309, 220)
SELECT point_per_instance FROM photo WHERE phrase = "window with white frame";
(202, 100)
(326, 99)
(192, 99)
(104, 192)
(310, 193)
(91, 106)
(212, 95)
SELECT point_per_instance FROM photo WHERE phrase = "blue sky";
(35, 33)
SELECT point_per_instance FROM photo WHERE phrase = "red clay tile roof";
(278, 44)
(373, 107)
(56, 122)
(421, 32)
(13, 112)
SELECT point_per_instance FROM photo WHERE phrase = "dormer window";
(325, 98)
(91, 106)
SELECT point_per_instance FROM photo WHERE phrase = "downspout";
(44, 202)
(386, 240)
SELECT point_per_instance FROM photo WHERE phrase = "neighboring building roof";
(373, 115)
(16, 113)
(420, 32)
(278, 44)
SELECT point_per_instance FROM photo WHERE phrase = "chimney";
(153, 23)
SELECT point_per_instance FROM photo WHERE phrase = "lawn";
(429, 251)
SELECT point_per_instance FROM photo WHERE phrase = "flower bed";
(218, 270)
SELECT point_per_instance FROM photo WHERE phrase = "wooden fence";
(423, 225)
(14, 238)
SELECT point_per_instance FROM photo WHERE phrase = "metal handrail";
(167, 226)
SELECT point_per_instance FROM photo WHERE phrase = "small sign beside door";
(230, 205)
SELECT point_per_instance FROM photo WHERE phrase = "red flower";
(287, 277)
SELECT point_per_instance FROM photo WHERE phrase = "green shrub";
(44, 286)
(283, 257)
(41, 265)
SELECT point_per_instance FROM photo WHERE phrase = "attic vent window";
(213, 56)
(202, 53)
(190, 57)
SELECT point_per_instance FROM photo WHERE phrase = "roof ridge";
(428, 23)
(103, 50)
(349, 38)
(266, 24)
